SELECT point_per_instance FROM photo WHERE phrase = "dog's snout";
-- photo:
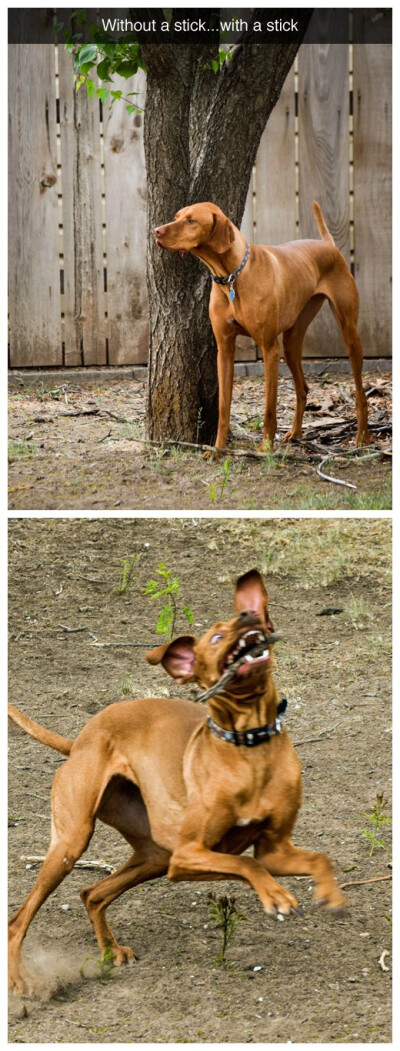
(160, 230)
(248, 616)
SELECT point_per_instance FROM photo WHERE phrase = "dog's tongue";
(253, 662)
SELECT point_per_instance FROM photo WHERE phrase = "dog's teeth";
(248, 658)
(266, 653)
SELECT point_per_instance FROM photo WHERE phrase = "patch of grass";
(105, 963)
(222, 483)
(381, 501)
(126, 572)
(20, 450)
(131, 430)
(378, 820)
(358, 612)
(333, 551)
(127, 687)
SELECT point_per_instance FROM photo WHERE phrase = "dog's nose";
(247, 615)
(159, 231)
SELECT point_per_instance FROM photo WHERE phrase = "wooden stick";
(358, 882)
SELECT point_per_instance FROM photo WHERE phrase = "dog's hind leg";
(148, 862)
(73, 819)
(342, 293)
(293, 346)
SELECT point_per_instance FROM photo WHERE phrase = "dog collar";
(232, 277)
(250, 738)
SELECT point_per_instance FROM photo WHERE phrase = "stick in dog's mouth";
(254, 651)
(252, 645)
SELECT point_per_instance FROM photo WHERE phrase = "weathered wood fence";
(78, 202)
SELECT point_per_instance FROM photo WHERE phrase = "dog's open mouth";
(251, 649)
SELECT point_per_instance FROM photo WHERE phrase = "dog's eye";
(190, 220)
(216, 638)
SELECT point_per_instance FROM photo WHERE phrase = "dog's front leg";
(270, 352)
(284, 859)
(194, 860)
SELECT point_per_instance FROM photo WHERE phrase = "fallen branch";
(329, 478)
(358, 882)
(312, 740)
(105, 645)
(35, 859)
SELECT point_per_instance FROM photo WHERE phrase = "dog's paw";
(213, 454)
(123, 954)
(290, 436)
(281, 903)
(20, 982)
(334, 900)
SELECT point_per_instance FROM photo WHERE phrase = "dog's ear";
(177, 657)
(222, 233)
(251, 596)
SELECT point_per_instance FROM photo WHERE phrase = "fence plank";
(82, 220)
(275, 175)
(324, 165)
(125, 191)
(34, 281)
(372, 194)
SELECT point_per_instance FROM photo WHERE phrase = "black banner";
(223, 25)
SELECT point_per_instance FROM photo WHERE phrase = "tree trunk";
(201, 136)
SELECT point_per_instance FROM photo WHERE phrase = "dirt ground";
(77, 642)
(82, 446)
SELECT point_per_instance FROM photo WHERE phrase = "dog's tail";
(320, 221)
(61, 744)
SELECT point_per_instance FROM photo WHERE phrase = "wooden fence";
(78, 202)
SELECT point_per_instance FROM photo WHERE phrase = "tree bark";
(201, 135)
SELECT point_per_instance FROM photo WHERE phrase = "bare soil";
(77, 644)
(83, 446)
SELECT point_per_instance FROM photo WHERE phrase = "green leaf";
(130, 109)
(127, 68)
(103, 69)
(87, 53)
(90, 88)
(215, 65)
(165, 620)
(86, 67)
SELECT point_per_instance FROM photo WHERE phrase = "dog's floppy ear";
(222, 233)
(177, 657)
(251, 596)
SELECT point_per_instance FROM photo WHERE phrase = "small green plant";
(167, 587)
(105, 963)
(269, 460)
(226, 916)
(358, 611)
(20, 450)
(221, 486)
(126, 572)
(378, 819)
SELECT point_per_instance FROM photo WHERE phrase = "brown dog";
(261, 292)
(186, 793)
